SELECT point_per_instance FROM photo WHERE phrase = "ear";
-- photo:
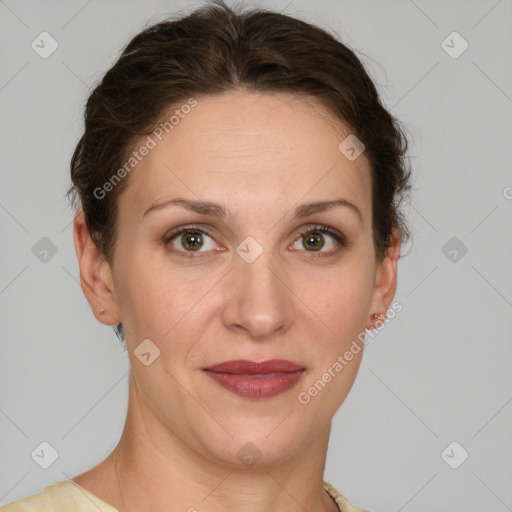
(95, 274)
(386, 277)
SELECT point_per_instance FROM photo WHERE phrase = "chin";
(254, 442)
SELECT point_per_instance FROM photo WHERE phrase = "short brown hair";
(214, 50)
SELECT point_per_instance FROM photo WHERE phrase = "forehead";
(278, 147)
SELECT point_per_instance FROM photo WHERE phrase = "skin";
(260, 156)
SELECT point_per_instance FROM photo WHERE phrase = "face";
(256, 275)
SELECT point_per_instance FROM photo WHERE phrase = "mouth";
(250, 379)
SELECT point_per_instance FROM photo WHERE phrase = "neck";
(154, 468)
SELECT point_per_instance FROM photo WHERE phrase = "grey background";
(438, 373)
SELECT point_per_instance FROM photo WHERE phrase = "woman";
(237, 187)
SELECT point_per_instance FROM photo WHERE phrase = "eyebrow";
(217, 210)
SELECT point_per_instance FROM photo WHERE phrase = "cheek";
(140, 294)
(159, 300)
(342, 304)
(340, 298)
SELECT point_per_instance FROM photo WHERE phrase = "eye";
(314, 240)
(189, 240)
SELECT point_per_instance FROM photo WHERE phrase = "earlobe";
(95, 274)
(386, 278)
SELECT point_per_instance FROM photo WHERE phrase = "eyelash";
(317, 228)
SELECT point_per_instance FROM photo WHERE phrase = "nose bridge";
(260, 302)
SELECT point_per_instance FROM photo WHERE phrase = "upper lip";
(242, 366)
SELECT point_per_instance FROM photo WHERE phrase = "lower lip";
(257, 386)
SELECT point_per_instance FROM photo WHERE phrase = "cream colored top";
(68, 496)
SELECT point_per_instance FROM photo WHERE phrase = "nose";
(258, 300)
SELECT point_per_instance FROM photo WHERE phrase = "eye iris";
(192, 240)
(315, 239)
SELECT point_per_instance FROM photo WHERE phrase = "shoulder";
(62, 496)
(342, 502)
(33, 503)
